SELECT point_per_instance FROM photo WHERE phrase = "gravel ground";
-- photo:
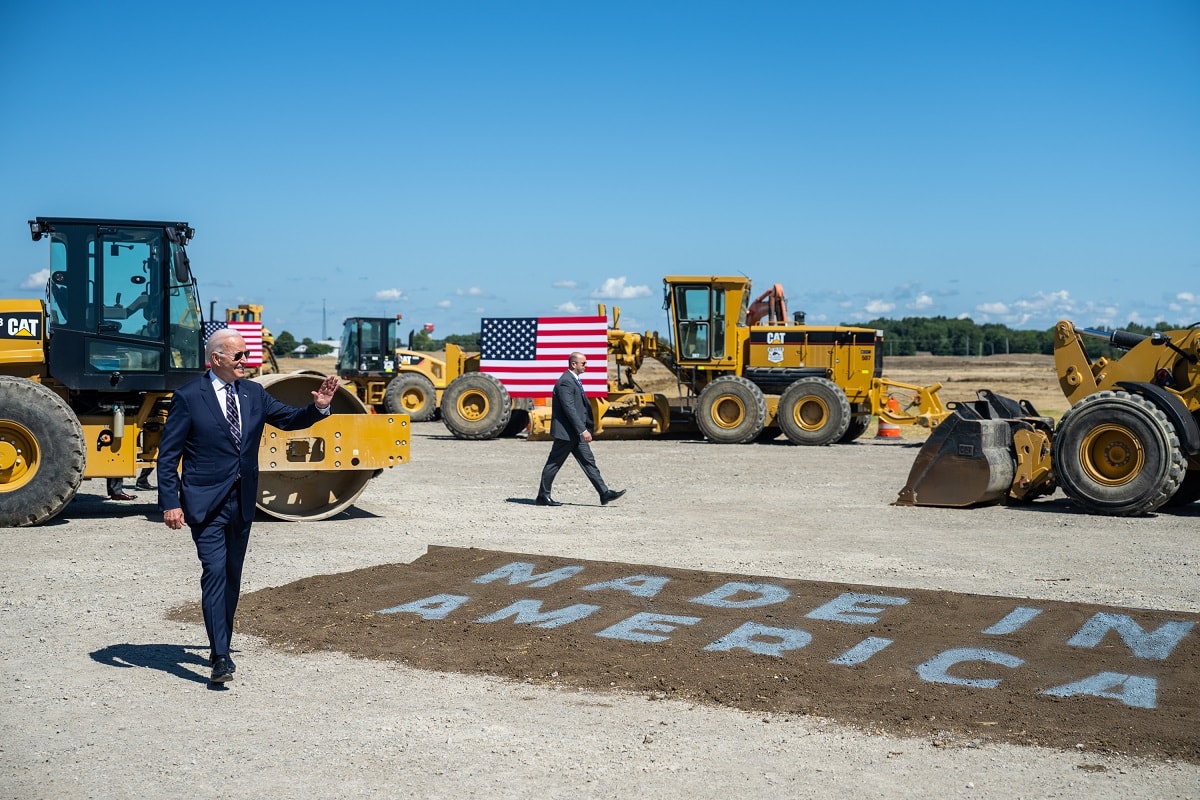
(110, 698)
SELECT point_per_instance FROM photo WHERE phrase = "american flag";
(250, 331)
(528, 354)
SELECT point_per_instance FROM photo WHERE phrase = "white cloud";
(565, 285)
(921, 302)
(992, 308)
(878, 307)
(36, 280)
(1183, 297)
(444, 304)
(568, 308)
(390, 294)
(472, 291)
(615, 289)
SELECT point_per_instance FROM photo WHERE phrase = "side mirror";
(183, 267)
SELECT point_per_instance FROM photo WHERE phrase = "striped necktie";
(231, 414)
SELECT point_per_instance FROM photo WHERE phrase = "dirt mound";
(911, 661)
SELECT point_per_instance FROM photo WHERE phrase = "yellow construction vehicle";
(745, 373)
(86, 381)
(1129, 443)
(251, 312)
(391, 378)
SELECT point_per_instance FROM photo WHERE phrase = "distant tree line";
(285, 343)
(943, 336)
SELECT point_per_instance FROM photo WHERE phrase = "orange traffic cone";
(889, 430)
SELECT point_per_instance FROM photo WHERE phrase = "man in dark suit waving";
(213, 428)
(570, 427)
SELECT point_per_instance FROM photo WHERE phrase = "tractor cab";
(368, 347)
(122, 304)
(704, 314)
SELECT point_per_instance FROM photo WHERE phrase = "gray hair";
(218, 339)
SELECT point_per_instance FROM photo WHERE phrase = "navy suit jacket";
(570, 410)
(197, 434)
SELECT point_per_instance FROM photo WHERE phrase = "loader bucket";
(986, 451)
(966, 461)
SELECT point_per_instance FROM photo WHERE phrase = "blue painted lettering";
(861, 651)
(529, 612)
(1156, 645)
(636, 585)
(859, 609)
(935, 670)
(1135, 690)
(747, 637)
(767, 593)
(646, 627)
(1016, 619)
(522, 572)
(436, 607)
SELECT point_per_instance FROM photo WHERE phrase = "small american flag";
(250, 331)
(528, 354)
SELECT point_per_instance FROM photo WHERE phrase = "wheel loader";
(86, 378)
(391, 378)
(1128, 445)
(745, 372)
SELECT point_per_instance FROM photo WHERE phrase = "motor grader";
(1129, 443)
(86, 378)
(745, 372)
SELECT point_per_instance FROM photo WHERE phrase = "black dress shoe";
(222, 670)
(212, 662)
(144, 486)
(122, 496)
(547, 501)
(610, 495)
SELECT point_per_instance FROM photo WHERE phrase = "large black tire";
(1189, 489)
(813, 412)
(1115, 454)
(412, 394)
(517, 422)
(859, 422)
(42, 453)
(731, 410)
(857, 427)
(476, 406)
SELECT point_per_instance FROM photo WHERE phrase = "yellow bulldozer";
(86, 378)
(745, 372)
(1129, 443)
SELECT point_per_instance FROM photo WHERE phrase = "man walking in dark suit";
(213, 427)
(570, 427)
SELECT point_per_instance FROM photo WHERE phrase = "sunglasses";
(238, 356)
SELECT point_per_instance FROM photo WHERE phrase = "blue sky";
(1014, 162)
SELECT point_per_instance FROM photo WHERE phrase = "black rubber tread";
(745, 396)
(517, 422)
(821, 393)
(59, 466)
(491, 397)
(857, 427)
(411, 386)
(1118, 416)
(1188, 491)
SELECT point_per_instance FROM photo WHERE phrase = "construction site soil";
(747, 620)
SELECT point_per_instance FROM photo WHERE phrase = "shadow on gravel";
(174, 659)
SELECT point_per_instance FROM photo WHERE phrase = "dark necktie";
(231, 414)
